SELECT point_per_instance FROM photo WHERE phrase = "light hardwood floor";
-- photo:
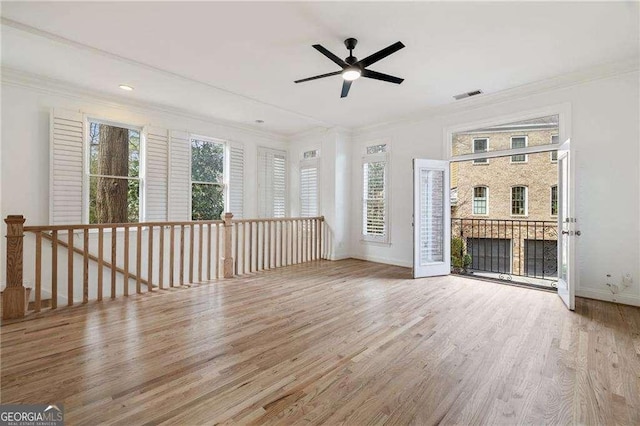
(331, 342)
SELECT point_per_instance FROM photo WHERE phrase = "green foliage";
(207, 174)
(459, 258)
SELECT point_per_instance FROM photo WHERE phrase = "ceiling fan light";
(351, 74)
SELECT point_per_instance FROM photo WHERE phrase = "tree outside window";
(207, 179)
(114, 174)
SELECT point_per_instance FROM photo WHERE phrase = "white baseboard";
(384, 260)
(626, 299)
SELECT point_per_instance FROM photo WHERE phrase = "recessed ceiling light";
(126, 87)
(259, 121)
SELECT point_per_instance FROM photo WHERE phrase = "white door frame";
(434, 267)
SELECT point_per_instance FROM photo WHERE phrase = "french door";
(432, 218)
(567, 226)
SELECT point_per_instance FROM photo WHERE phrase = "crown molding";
(88, 48)
(46, 85)
(564, 81)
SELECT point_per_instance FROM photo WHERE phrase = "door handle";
(578, 233)
(566, 232)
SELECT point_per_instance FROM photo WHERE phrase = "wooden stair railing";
(224, 248)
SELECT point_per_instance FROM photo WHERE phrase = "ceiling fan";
(352, 68)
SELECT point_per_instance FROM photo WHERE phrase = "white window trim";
(371, 158)
(551, 201)
(473, 147)
(473, 197)
(86, 176)
(563, 111)
(306, 163)
(526, 144)
(225, 171)
(526, 201)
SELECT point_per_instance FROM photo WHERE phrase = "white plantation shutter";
(309, 189)
(374, 209)
(66, 167)
(272, 183)
(236, 180)
(156, 178)
(179, 176)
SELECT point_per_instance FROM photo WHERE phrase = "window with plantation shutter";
(156, 176)
(375, 217)
(309, 189)
(236, 180)
(272, 183)
(66, 167)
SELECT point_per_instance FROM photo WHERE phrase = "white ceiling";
(238, 61)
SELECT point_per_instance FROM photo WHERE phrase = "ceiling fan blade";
(381, 76)
(381, 54)
(346, 85)
(318, 76)
(330, 55)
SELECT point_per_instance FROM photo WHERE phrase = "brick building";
(505, 208)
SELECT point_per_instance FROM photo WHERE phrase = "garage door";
(490, 254)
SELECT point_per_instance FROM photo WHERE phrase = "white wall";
(24, 167)
(335, 152)
(605, 135)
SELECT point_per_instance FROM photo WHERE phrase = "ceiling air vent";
(467, 95)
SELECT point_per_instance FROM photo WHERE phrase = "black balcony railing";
(519, 250)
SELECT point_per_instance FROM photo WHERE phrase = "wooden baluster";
(171, 255)
(70, 268)
(114, 241)
(150, 260)
(200, 244)
(243, 250)
(38, 303)
(319, 237)
(304, 240)
(161, 259)
(181, 254)
(100, 262)
(285, 226)
(191, 249)
(209, 253)
(85, 268)
(139, 259)
(228, 253)
(237, 245)
(294, 245)
(251, 247)
(54, 270)
(281, 243)
(314, 246)
(218, 251)
(125, 281)
(264, 233)
(309, 240)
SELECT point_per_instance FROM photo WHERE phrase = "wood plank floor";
(331, 342)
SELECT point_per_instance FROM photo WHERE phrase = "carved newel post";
(15, 297)
(227, 260)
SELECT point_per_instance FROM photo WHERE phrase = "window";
(480, 198)
(310, 154)
(519, 201)
(374, 208)
(480, 145)
(519, 142)
(272, 183)
(207, 179)
(554, 154)
(309, 190)
(114, 174)
(554, 200)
